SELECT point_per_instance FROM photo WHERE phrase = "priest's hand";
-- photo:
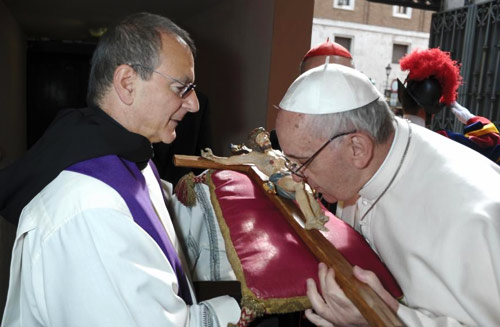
(332, 307)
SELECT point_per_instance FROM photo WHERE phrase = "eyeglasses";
(186, 89)
(294, 167)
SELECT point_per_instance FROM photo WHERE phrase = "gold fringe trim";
(268, 306)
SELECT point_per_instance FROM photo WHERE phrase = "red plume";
(434, 62)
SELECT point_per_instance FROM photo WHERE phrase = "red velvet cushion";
(274, 260)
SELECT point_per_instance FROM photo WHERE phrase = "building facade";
(377, 35)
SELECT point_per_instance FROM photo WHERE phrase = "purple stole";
(125, 177)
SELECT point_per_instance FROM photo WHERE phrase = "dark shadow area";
(193, 134)
(57, 78)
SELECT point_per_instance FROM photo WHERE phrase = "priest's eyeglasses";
(294, 167)
(184, 91)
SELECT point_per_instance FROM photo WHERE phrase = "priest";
(95, 245)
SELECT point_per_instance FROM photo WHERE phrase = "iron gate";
(472, 35)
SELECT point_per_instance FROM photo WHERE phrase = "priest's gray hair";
(137, 39)
(375, 119)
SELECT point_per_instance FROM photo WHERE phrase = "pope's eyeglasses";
(294, 167)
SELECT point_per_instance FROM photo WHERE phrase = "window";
(343, 4)
(398, 51)
(401, 12)
(344, 41)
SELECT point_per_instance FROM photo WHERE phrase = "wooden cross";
(373, 309)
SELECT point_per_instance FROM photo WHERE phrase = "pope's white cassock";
(436, 227)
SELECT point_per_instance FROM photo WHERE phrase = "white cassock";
(436, 227)
(79, 259)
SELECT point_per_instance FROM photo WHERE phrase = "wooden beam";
(432, 5)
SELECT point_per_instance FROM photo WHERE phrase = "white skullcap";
(327, 89)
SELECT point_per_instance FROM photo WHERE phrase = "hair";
(409, 105)
(136, 39)
(252, 136)
(375, 118)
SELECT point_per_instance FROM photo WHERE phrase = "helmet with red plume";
(432, 81)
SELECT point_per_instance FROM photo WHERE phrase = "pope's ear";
(361, 150)
(123, 83)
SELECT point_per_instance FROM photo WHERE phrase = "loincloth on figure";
(275, 178)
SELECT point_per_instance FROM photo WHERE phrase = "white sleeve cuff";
(226, 309)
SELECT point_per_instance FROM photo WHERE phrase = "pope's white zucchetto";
(329, 88)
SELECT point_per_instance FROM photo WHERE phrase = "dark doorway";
(58, 73)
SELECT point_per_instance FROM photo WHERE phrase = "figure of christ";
(274, 164)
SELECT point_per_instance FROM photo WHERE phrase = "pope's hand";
(332, 307)
(463, 114)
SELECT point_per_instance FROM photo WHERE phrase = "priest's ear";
(123, 83)
(361, 148)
